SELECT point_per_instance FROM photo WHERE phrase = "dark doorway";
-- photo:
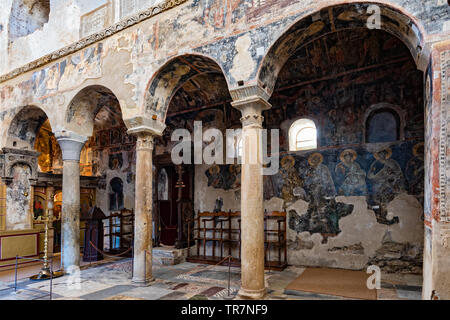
(173, 207)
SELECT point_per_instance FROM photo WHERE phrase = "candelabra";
(46, 273)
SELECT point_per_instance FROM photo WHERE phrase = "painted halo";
(388, 150)
(287, 162)
(347, 151)
(314, 155)
(214, 169)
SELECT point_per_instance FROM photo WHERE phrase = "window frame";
(295, 130)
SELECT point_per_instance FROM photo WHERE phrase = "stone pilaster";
(142, 264)
(71, 145)
(252, 208)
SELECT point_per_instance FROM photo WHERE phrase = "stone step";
(168, 256)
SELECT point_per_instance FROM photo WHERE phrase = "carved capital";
(145, 141)
(71, 144)
(251, 109)
(254, 120)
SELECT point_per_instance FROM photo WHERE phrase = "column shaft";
(252, 206)
(142, 264)
(71, 145)
(70, 217)
(252, 215)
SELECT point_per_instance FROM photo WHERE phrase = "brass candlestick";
(45, 272)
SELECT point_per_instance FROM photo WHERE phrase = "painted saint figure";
(350, 176)
(318, 179)
(386, 175)
(292, 184)
(388, 181)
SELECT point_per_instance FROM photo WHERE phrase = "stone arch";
(81, 112)
(172, 76)
(24, 126)
(335, 18)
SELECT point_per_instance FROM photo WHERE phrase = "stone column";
(252, 207)
(142, 263)
(71, 145)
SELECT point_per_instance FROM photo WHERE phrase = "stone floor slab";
(107, 293)
(410, 295)
(148, 293)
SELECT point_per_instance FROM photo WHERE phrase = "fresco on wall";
(226, 177)
(320, 218)
(175, 75)
(341, 100)
(350, 178)
(318, 177)
(38, 207)
(18, 199)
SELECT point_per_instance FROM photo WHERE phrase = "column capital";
(71, 144)
(251, 109)
(140, 124)
(145, 141)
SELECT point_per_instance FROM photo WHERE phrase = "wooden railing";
(218, 234)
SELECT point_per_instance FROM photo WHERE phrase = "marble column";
(142, 263)
(71, 145)
(252, 206)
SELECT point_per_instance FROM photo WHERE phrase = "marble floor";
(111, 280)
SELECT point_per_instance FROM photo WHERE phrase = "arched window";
(302, 135)
(383, 125)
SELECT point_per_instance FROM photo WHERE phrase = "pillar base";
(143, 283)
(252, 294)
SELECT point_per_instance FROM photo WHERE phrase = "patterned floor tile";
(212, 291)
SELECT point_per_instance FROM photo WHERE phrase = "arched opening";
(339, 18)
(331, 68)
(107, 161)
(189, 89)
(23, 208)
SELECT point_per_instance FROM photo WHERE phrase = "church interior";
(95, 186)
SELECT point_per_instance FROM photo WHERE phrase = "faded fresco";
(18, 199)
